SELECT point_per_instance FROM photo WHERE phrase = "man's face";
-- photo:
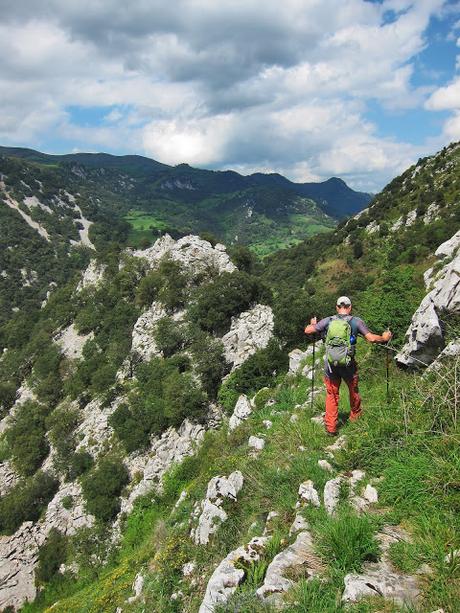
(342, 309)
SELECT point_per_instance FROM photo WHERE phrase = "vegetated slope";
(116, 366)
(264, 211)
(50, 223)
(377, 257)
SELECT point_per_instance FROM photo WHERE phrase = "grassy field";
(143, 226)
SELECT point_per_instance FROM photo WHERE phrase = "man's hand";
(311, 328)
(387, 335)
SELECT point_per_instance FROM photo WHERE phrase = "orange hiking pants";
(332, 400)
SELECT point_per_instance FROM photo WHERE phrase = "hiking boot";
(331, 433)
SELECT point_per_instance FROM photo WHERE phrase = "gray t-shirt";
(357, 327)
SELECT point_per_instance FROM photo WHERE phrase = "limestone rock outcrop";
(299, 555)
(381, 578)
(229, 574)
(211, 513)
(143, 344)
(71, 342)
(241, 412)
(249, 331)
(192, 252)
(425, 338)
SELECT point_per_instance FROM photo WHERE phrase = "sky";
(311, 89)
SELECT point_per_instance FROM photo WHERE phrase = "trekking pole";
(313, 373)
(388, 376)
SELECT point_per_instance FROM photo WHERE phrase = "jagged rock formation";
(297, 358)
(170, 448)
(19, 552)
(227, 576)
(299, 554)
(191, 251)
(425, 336)
(241, 412)
(8, 477)
(211, 513)
(250, 331)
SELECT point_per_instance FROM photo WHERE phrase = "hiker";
(341, 332)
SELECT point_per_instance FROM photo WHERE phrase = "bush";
(217, 302)
(258, 371)
(7, 396)
(167, 284)
(50, 556)
(61, 425)
(102, 487)
(209, 362)
(26, 437)
(79, 463)
(26, 501)
(168, 336)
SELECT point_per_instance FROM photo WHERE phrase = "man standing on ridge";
(341, 332)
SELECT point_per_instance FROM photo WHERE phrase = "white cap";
(343, 301)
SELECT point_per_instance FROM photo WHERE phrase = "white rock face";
(8, 477)
(308, 494)
(27, 218)
(18, 555)
(241, 412)
(191, 251)
(380, 578)
(212, 514)
(452, 350)
(424, 338)
(19, 552)
(172, 447)
(93, 275)
(298, 555)
(143, 344)
(71, 342)
(324, 464)
(411, 217)
(332, 494)
(227, 577)
(250, 331)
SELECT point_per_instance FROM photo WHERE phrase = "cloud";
(249, 84)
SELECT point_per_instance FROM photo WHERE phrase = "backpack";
(339, 350)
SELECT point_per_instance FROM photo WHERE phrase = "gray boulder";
(424, 338)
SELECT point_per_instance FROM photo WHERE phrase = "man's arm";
(378, 338)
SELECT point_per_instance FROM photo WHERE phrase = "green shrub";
(26, 501)
(133, 424)
(26, 437)
(102, 487)
(257, 372)
(7, 396)
(167, 284)
(182, 399)
(209, 362)
(229, 294)
(61, 426)
(51, 555)
(79, 463)
(168, 336)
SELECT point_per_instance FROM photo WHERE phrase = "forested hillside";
(265, 212)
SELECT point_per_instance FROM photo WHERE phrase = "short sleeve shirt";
(357, 327)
